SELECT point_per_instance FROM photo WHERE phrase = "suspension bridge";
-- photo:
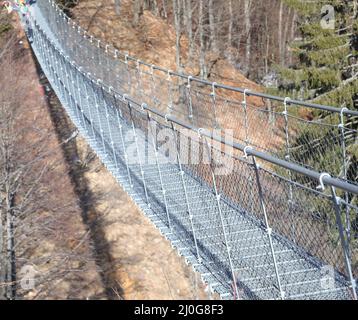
(257, 214)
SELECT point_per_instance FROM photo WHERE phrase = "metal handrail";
(109, 48)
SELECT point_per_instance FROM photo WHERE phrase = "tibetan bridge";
(257, 198)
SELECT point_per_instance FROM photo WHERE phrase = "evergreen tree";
(326, 67)
(325, 71)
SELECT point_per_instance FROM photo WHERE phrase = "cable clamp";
(189, 79)
(246, 92)
(321, 182)
(246, 149)
(169, 74)
(338, 200)
(244, 102)
(343, 110)
(213, 86)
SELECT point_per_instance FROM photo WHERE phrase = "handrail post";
(129, 80)
(288, 158)
(153, 86)
(138, 154)
(170, 93)
(244, 104)
(164, 192)
(345, 246)
(213, 102)
(98, 114)
(120, 126)
(139, 81)
(345, 171)
(182, 173)
(188, 87)
(267, 225)
(218, 203)
(80, 98)
(89, 110)
(110, 135)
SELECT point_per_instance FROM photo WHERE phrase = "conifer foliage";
(326, 65)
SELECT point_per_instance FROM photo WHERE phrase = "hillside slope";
(153, 40)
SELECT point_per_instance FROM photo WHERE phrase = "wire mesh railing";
(283, 127)
(254, 225)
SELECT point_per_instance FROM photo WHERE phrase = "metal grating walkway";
(185, 208)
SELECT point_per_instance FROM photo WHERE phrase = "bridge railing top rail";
(110, 49)
(322, 178)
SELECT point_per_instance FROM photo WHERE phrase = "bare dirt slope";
(50, 235)
(153, 40)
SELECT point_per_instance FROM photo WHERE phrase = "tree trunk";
(203, 70)
(267, 52)
(190, 28)
(10, 246)
(231, 24)
(117, 4)
(293, 31)
(178, 31)
(2, 256)
(154, 7)
(231, 42)
(280, 33)
(165, 11)
(285, 38)
(137, 12)
(247, 18)
(213, 40)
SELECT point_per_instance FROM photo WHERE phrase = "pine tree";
(326, 67)
(325, 71)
